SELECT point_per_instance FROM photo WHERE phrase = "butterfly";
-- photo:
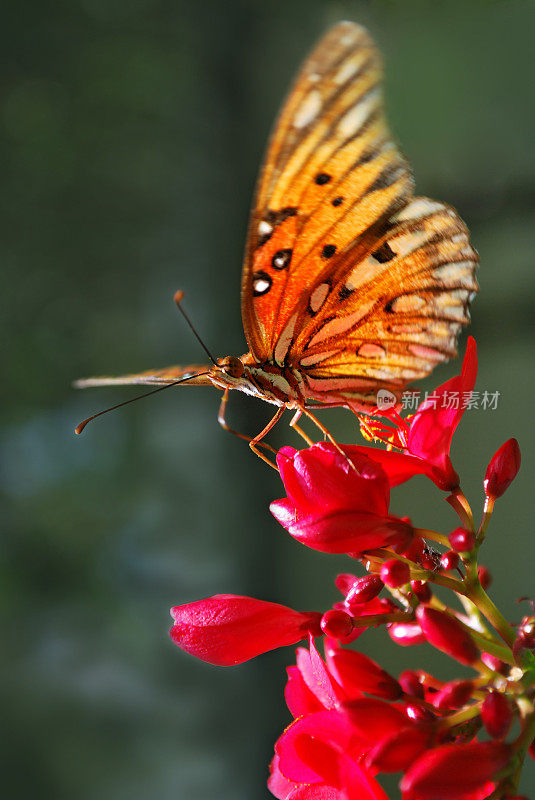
(351, 285)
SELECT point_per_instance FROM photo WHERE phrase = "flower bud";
(526, 633)
(437, 773)
(502, 470)
(416, 712)
(406, 633)
(363, 590)
(446, 633)
(453, 695)
(345, 581)
(422, 591)
(228, 629)
(496, 714)
(395, 573)
(495, 663)
(462, 540)
(450, 560)
(411, 684)
(336, 623)
(357, 673)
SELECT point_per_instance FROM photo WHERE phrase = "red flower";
(497, 715)
(455, 772)
(228, 629)
(425, 441)
(336, 505)
(313, 757)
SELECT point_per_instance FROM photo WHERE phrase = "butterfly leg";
(293, 424)
(254, 443)
(221, 418)
(328, 435)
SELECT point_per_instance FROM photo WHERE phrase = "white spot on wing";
(264, 228)
(408, 302)
(421, 207)
(308, 109)
(455, 271)
(354, 119)
(350, 68)
(260, 285)
(409, 242)
(318, 296)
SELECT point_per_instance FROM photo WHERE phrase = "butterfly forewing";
(348, 279)
(331, 175)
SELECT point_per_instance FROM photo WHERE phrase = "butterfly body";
(350, 283)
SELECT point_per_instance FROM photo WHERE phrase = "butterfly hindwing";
(152, 377)
(397, 310)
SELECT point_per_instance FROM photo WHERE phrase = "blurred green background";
(134, 130)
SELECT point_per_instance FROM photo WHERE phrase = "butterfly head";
(231, 366)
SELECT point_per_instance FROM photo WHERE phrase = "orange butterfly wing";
(324, 290)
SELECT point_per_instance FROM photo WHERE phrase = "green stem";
(458, 501)
(459, 717)
(487, 515)
(521, 747)
(480, 598)
(426, 533)
(381, 619)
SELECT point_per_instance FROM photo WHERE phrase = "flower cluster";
(352, 719)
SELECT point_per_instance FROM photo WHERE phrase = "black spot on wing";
(328, 251)
(384, 253)
(344, 292)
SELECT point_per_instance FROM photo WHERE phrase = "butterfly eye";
(232, 366)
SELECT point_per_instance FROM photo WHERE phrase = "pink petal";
(299, 699)
(330, 727)
(317, 678)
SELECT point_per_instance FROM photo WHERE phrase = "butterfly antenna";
(178, 296)
(79, 428)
